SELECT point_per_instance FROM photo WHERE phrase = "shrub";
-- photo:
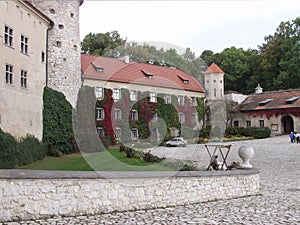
(29, 150)
(8, 151)
(256, 132)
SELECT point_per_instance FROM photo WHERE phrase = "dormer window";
(265, 102)
(184, 79)
(292, 100)
(147, 74)
(98, 68)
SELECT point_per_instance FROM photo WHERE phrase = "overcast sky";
(199, 25)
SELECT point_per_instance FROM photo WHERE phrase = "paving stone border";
(29, 194)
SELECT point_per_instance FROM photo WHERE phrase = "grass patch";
(110, 160)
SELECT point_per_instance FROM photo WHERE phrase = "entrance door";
(287, 124)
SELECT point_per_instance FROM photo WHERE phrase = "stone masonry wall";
(41, 196)
(64, 65)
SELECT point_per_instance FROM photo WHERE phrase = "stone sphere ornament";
(246, 153)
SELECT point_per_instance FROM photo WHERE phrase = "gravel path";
(277, 203)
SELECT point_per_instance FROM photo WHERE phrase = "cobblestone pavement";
(277, 203)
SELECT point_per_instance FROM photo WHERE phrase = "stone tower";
(64, 67)
(214, 82)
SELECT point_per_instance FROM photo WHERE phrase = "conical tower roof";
(214, 68)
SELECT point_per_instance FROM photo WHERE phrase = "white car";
(178, 141)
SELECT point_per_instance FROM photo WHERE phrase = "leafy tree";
(100, 43)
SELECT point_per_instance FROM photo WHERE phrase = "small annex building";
(280, 111)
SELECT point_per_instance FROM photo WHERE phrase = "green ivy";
(57, 121)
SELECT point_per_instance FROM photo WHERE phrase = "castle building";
(23, 41)
(63, 46)
(39, 46)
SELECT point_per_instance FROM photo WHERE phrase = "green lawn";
(111, 160)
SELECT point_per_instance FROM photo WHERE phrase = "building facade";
(280, 111)
(128, 82)
(23, 38)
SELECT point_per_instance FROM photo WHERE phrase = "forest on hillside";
(275, 65)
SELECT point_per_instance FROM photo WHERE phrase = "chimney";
(258, 89)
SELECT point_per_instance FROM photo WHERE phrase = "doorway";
(287, 124)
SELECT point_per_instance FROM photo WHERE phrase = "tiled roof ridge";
(275, 92)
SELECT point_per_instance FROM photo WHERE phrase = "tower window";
(52, 11)
(72, 15)
(61, 26)
(58, 43)
(43, 56)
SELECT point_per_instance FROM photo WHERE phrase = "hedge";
(256, 132)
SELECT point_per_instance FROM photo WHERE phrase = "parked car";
(177, 142)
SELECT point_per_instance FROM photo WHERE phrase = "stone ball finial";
(246, 153)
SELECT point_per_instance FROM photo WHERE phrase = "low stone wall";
(39, 194)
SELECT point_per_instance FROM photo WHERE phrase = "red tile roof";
(89, 63)
(214, 68)
(138, 73)
(278, 100)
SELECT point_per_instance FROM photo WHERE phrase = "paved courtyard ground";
(277, 203)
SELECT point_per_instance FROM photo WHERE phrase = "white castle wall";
(41, 194)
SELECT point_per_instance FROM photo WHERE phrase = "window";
(193, 101)
(248, 123)
(261, 123)
(152, 97)
(100, 131)
(221, 92)
(23, 79)
(236, 123)
(180, 100)
(181, 117)
(61, 26)
(99, 92)
(118, 132)
(9, 72)
(24, 44)
(116, 94)
(265, 102)
(134, 115)
(215, 92)
(100, 113)
(154, 116)
(117, 114)
(133, 95)
(134, 134)
(43, 56)
(168, 99)
(58, 43)
(194, 118)
(8, 36)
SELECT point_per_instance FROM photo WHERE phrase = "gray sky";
(199, 25)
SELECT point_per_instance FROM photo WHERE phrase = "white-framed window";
(261, 123)
(23, 79)
(134, 134)
(116, 93)
(100, 131)
(168, 99)
(181, 117)
(248, 123)
(118, 132)
(8, 36)
(193, 101)
(180, 100)
(99, 92)
(154, 116)
(100, 113)
(134, 115)
(24, 44)
(9, 73)
(153, 97)
(117, 114)
(133, 95)
(194, 118)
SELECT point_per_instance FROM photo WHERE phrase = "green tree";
(100, 43)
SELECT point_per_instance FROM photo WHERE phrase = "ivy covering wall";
(57, 121)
